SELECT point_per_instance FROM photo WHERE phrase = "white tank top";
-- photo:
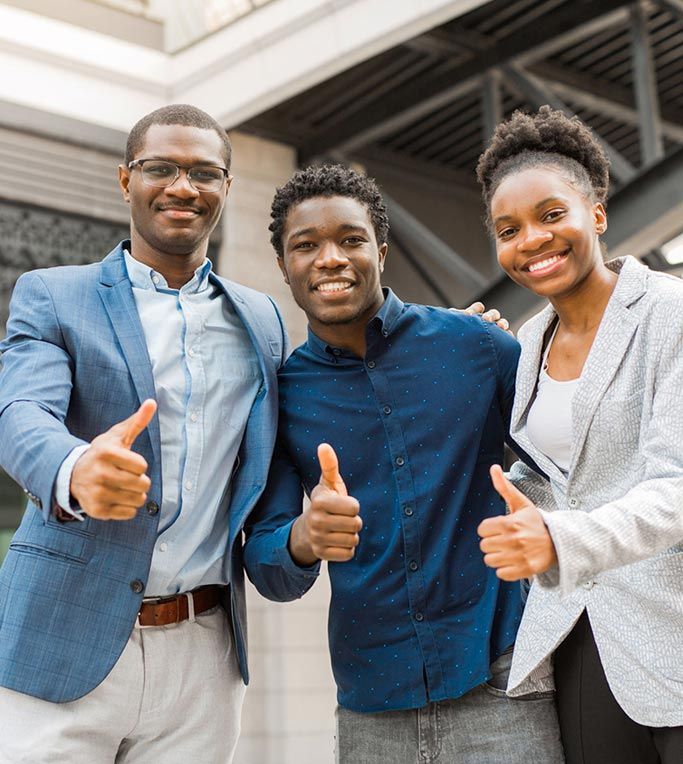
(549, 422)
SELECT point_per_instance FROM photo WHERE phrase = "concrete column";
(289, 709)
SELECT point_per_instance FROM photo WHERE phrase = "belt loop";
(190, 607)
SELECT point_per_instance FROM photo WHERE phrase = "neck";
(581, 310)
(346, 336)
(176, 268)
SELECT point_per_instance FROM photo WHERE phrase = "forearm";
(273, 570)
(643, 523)
(33, 445)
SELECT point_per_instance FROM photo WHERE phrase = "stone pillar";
(289, 709)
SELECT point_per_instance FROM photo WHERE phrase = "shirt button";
(413, 565)
(190, 352)
(419, 617)
(336, 351)
(371, 364)
(385, 333)
(194, 417)
(163, 546)
(387, 409)
(188, 485)
(152, 507)
(137, 586)
(408, 511)
(400, 461)
(155, 279)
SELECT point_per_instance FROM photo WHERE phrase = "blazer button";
(152, 507)
(137, 586)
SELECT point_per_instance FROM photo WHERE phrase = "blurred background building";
(408, 90)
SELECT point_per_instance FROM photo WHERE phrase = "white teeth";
(333, 286)
(544, 263)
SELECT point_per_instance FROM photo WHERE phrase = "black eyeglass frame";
(178, 167)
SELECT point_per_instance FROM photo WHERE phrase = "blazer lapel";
(117, 296)
(525, 391)
(613, 338)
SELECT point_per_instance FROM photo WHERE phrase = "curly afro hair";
(327, 180)
(546, 139)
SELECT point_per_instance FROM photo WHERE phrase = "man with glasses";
(138, 412)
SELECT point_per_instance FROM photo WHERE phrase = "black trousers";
(594, 728)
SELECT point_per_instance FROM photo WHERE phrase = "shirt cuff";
(63, 483)
(305, 572)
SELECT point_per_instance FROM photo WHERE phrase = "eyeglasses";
(160, 173)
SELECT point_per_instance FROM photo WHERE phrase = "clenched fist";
(328, 529)
(109, 481)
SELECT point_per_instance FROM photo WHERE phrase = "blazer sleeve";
(648, 519)
(36, 376)
(267, 560)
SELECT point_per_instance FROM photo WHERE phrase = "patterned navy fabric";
(415, 616)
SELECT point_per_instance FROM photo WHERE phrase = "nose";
(330, 256)
(181, 186)
(532, 237)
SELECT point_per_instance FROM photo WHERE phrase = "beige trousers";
(174, 697)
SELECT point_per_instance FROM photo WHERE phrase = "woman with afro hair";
(599, 407)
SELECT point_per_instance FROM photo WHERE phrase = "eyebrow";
(342, 227)
(537, 206)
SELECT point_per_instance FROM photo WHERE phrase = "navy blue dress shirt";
(415, 616)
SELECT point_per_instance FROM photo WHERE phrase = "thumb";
(513, 498)
(329, 470)
(130, 428)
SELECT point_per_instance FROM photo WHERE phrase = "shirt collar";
(143, 277)
(382, 323)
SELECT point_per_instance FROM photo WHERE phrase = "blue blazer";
(73, 364)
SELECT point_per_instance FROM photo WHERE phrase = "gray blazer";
(616, 517)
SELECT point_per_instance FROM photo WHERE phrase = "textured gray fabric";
(619, 527)
(484, 726)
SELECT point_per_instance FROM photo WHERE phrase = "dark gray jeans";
(482, 727)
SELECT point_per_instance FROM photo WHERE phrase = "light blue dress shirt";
(206, 376)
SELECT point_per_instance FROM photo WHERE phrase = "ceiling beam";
(673, 6)
(538, 94)
(412, 100)
(609, 108)
(417, 237)
(645, 86)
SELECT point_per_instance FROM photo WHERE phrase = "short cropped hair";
(546, 139)
(327, 180)
(176, 114)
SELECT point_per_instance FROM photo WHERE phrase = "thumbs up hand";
(328, 529)
(108, 480)
(518, 545)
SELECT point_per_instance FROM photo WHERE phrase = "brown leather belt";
(166, 610)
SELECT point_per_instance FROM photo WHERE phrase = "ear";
(599, 218)
(281, 265)
(382, 256)
(124, 180)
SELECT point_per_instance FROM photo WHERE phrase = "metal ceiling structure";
(430, 104)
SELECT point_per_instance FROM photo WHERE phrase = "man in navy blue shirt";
(415, 403)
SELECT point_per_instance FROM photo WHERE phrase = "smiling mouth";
(547, 264)
(333, 287)
(180, 212)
